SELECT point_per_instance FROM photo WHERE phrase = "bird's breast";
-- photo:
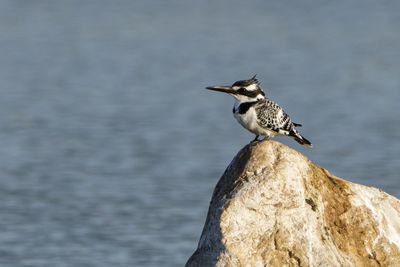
(248, 120)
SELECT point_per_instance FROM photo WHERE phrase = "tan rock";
(274, 207)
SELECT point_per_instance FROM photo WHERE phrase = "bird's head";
(243, 91)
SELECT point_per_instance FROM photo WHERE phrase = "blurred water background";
(111, 147)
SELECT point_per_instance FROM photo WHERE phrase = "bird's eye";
(242, 89)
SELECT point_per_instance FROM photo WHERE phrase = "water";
(110, 146)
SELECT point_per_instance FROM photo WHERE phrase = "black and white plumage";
(258, 114)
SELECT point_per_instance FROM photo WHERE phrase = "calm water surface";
(110, 146)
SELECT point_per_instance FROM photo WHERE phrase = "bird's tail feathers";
(300, 139)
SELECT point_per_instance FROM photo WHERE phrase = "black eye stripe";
(250, 93)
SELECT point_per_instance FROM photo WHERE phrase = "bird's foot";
(255, 139)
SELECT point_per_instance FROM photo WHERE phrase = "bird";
(259, 114)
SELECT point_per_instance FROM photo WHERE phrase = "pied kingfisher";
(258, 114)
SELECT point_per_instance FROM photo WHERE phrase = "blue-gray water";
(111, 147)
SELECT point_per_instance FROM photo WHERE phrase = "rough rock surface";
(274, 207)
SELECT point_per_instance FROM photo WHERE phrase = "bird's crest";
(255, 80)
(244, 83)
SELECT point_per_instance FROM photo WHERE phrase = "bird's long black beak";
(225, 89)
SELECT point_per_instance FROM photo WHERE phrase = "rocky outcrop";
(274, 207)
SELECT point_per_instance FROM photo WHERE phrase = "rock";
(274, 207)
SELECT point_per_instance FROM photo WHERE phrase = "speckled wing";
(273, 117)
